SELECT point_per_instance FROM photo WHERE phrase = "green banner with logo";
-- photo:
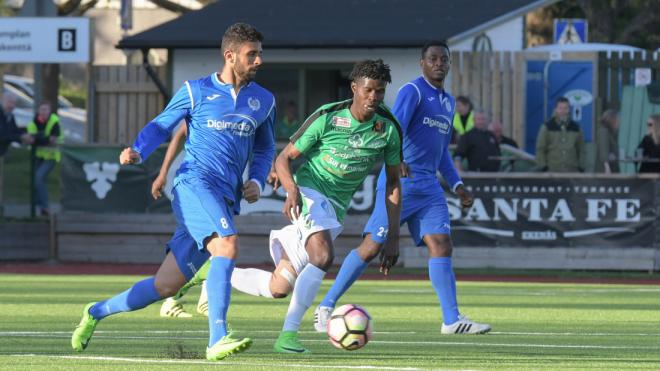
(93, 181)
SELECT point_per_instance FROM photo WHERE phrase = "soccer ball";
(349, 327)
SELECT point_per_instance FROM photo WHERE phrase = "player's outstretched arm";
(173, 149)
(159, 129)
(283, 169)
(390, 253)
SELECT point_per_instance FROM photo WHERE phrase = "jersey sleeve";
(160, 128)
(393, 148)
(264, 149)
(309, 134)
(447, 168)
(405, 104)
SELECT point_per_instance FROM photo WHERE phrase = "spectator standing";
(47, 135)
(559, 145)
(650, 146)
(463, 118)
(9, 133)
(607, 142)
(477, 146)
(289, 123)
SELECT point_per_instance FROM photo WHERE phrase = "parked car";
(72, 119)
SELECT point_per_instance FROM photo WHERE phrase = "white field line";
(203, 332)
(221, 363)
(398, 342)
(497, 292)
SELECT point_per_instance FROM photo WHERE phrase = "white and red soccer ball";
(349, 327)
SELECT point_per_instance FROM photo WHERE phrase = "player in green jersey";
(342, 142)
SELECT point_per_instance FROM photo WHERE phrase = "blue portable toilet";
(562, 74)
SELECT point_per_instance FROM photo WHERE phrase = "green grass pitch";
(535, 326)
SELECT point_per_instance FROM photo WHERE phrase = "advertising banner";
(556, 212)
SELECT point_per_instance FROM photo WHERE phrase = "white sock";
(252, 281)
(307, 285)
(203, 297)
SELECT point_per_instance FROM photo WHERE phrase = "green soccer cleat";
(197, 280)
(227, 346)
(84, 331)
(288, 342)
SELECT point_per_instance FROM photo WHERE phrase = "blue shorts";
(202, 210)
(425, 214)
(188, 257)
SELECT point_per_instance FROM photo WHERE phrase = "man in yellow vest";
(47, 134)
(463, 118)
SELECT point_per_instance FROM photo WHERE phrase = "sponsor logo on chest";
(243, 128)
(441, 122)
(341, 122)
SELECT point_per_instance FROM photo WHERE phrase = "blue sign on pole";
(571, 31)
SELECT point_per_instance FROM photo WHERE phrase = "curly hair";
(239, 33)
(371, 69)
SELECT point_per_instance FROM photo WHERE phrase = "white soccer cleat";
(172, 308)
(321, 318)
(464, 326)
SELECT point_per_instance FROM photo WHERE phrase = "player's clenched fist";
(465, 196)
(129, 156)
(251, 191)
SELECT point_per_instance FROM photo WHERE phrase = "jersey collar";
(222, 86)
(431, 85)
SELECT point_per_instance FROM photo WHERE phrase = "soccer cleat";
(289, 343)
(321, 318)
(227, 346)
(464, 326)
(84, 331)
(172, 308)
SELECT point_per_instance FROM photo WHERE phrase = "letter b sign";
(66, 40)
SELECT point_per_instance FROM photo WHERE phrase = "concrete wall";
(140, 238)
(24, 240)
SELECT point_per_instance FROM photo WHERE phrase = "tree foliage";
(631, 22)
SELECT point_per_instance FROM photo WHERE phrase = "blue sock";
(218, 286)
(351, 269)
(442, 277)
(137, 297)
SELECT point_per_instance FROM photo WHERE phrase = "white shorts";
(292, 238)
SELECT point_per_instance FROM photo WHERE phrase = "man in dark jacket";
(8, 131)
(478, 146)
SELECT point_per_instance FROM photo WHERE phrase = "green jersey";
(342, 151)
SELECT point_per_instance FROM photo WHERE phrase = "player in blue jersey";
(229, 117)
(425, 113)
